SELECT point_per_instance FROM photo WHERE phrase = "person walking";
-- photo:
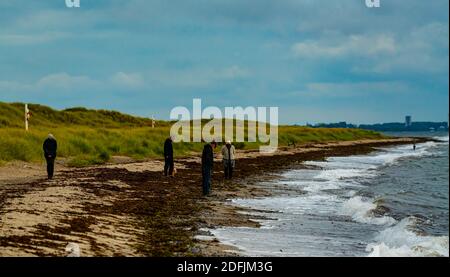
(50, 147)
(207, 166)
(168, 157)
(228, 159)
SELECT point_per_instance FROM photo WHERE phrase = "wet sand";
(131, 209)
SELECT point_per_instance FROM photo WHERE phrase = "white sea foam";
(401, 241)
(293, 205)
(317, 187)
(351, 162)
(391, 156)
(443, 139)
(360, 210)
(337, 174)
(383, 157)
(340, 174)
(315, 181)
(347, 174)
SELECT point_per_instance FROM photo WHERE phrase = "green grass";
(88, 137)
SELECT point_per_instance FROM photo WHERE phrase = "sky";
(317, 60)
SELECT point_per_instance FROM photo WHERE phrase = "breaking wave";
(400, 240)
(363, 211)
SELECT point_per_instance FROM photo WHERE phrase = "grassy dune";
(87, 137)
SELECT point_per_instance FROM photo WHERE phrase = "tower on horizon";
(408, 121)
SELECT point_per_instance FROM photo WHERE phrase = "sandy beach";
(130, 209)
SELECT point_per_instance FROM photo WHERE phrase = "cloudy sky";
(317, 60)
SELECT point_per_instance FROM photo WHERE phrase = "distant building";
(408, 121)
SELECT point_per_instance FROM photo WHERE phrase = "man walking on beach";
(50, 148)
(228, 158)
(168, 157)
(207, 166)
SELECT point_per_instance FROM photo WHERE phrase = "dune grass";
(88, 137)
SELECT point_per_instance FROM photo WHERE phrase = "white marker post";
(153, 122)
(27, 116)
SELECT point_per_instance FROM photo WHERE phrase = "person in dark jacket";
(50, 147)
(207, 166)
(168, 157)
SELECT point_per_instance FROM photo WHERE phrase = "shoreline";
(117, 210)
(251, 187)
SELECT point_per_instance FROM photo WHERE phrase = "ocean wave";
(363, 211)
(344, 173)
(401, 241)
(292, 205)
(443, 139)
(365, 165)
(317, 181)
(335, 190)
(317, 187)
(392, 156)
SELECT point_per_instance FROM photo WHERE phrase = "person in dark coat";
(168, 157)
(207, 166)
(50, 147)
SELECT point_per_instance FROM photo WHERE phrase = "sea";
(393, 202)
